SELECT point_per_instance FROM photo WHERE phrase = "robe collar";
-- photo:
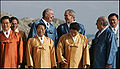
(7, 35)
(17, 30)
(42, 45)
(41, 38)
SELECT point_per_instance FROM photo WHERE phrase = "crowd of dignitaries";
(64, 47)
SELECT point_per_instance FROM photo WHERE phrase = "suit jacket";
(103, 49)
(64, 29)
(50, 32)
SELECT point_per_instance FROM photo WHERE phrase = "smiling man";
(40, 50)
(11, 46)
(104, 47)
(51, 31)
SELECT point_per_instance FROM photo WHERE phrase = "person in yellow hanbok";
(72, 49)
(40, 50)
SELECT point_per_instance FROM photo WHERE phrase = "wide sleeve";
(29, 53)
(86, 56)
(20, 49)
(60, 50)
(52, 54)
(111, 48)
(24, 47)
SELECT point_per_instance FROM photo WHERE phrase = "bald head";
(101, 23)
(103, 20)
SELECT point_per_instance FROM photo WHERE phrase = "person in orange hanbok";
(11, 46)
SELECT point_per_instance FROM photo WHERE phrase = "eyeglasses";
(5, 23)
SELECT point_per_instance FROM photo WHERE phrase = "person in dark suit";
(104, 47)
(114, 26)
(14, 26)
(69, 16)
(51, 31)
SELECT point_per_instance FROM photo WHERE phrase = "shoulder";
(81, 25)
(36, 22)
(32, 39)
(52, 25)
(49, 39)
(109, 32)
(21, 31)
(64, 36)
(62, 25)
(82, 36)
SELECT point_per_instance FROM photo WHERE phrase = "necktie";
(47, 24)
(41, 38)
(114, 29)
(6, 33)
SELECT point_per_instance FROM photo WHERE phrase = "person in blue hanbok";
(114, 26)
(69, 18)
(51, 31)
(104, 48)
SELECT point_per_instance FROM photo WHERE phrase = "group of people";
(64, 47)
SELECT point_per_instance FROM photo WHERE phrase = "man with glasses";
(11, 46)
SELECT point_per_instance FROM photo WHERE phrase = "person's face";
(49, 16)
(6, 24)
(113, 21)
(14, 24)
(67, 17)
(73, 32)
(99, 26)
(40, 30)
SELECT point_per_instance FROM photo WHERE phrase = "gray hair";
(71, 12)
(46, 11)
(104, 20)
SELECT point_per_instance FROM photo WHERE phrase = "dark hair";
(12, 18)
(113, 14)
(4, 17)
(41, 24)
(75, 26)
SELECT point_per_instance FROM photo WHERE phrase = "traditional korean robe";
(11, 50)
(40, 55)
(76, 53)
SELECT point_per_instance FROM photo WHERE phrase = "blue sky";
(87, 12)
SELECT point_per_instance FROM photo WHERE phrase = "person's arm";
(52, 54)
(29, 53)
(60, 51)
(20, 49)
(86, 56)
(111, 50)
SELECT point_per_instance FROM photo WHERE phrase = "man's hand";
(108, 66)
(19, 66)
(64, 62)
(30, 67)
